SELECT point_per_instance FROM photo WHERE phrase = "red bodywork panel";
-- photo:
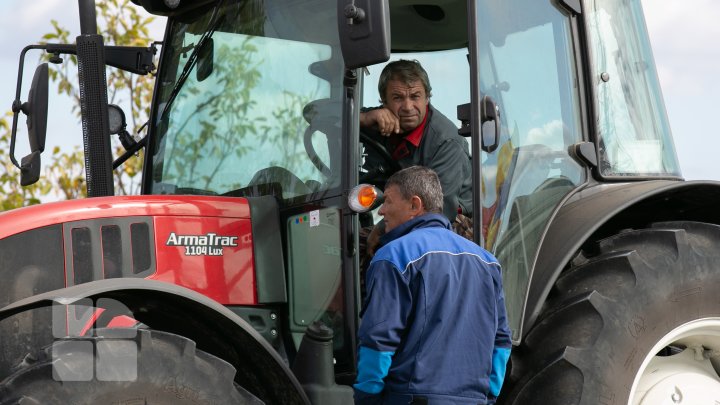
(200, 242)
(224, 274)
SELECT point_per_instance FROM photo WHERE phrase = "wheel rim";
(687, 376)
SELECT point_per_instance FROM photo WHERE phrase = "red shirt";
(399, 145)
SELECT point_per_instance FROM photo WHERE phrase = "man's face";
(396, 210)
(408, 101)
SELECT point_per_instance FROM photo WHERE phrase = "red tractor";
(234, 277)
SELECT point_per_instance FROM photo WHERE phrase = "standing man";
(415, 133)
(433, 329)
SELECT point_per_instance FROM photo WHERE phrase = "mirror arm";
(130, 152)
(133, 59)
(353, 13)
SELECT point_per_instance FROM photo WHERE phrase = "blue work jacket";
(433, 321)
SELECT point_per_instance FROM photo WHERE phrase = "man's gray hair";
(422, 182)
(406, 71)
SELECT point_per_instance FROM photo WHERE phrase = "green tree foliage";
(120, 23)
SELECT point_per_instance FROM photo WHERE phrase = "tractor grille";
(108, 248)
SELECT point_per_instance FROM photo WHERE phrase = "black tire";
(612, 310)
(154, 368)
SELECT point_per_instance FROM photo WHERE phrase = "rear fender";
(603, 210)
(214, 328)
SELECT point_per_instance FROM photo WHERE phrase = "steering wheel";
(385, 164)
(310, 149)
(322, 116)
(281, 180)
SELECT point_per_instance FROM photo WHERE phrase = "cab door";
(523, 56)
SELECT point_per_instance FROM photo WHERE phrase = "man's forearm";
(380, 119)
(364, 120)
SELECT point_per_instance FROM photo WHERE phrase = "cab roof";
(416, 25)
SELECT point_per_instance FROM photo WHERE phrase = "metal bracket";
(133, 59)
(585, 153)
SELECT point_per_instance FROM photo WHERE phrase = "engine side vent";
(141, 252)
(82, 255)
(107, 248)
(112, 251)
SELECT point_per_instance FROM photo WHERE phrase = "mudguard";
(603, 209)
(214, 328)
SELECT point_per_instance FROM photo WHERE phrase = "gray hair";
(407, 71)
(422, 182)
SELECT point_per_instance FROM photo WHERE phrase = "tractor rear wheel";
(124, 366)
(636, 321)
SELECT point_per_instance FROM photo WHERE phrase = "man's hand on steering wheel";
(384, 165)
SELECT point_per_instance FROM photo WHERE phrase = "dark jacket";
(433, 321)
(447, 153)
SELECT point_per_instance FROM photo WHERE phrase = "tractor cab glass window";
(633, 130)
(258, 109)
(527, 65)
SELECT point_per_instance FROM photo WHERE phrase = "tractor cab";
(254, 98)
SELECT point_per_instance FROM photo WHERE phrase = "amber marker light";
(363, 197)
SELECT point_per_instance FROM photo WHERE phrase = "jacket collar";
(423, 221)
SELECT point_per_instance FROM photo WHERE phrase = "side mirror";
(364, 27)
(36, 109)
(489, 114)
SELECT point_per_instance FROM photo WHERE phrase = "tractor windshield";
(256, 109)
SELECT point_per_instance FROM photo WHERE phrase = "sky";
(685, 37)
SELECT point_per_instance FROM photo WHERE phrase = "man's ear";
(416, 206)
